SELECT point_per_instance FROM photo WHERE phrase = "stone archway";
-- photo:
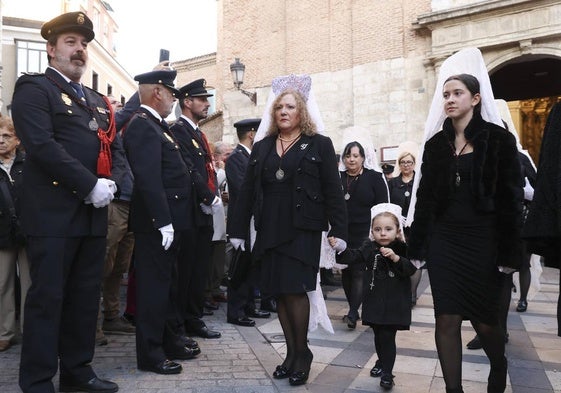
(531, 84)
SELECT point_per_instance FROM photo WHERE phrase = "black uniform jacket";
(388, 300)
(195, 156)
(496, 184)
(62, 151)
(162, 191)
(317, 193)
(236, 165)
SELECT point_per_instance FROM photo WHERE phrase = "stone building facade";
(374, 64)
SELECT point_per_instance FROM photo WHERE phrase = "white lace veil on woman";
(466, 61)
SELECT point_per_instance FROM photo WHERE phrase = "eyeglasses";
(404, 163)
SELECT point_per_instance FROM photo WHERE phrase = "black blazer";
(317, 193)
(162, 191)
(236, 165)
(61, 163)
(195, 156)
(496, 184)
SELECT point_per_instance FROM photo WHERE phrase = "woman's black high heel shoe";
(300, 377)
(281, 372)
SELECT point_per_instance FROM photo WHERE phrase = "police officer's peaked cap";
(197, 88)
(387, 168)
(71, 21)
(247, 125)
(159, 77)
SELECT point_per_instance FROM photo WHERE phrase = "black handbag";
(239, 268)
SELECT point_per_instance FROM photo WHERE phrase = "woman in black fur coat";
(466, 227)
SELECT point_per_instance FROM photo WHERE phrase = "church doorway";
(531, 85)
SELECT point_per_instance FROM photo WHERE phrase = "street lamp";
(237, 69)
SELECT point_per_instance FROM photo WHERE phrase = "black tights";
(294, 315)
(352, 277)
(384, 341)
(449, 347)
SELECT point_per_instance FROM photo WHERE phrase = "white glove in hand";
(167, 235)
(101, 195)
(506, 270)
(111, 184)
(237, 243)
(340, 245)
(528, 191)
(206, 209)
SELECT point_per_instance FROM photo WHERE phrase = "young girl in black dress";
(386, 304)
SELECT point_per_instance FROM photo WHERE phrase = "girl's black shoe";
(386, 382)
(376, 370)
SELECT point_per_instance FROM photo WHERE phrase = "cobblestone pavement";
(242, 360)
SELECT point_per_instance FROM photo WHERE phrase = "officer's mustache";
(78, 56)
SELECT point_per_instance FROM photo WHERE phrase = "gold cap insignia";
(80, 19)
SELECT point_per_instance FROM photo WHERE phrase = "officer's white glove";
(216, 205)
(339, 245)
(237, 243)
(206, 209)
(528, 191)
(111, 184)
(102, 193)
(167, 235)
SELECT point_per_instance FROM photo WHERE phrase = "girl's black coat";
(496, 185)
(389, 300)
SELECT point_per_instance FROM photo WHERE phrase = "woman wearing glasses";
(401, 187)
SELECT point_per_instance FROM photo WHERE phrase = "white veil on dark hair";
(364, 137)
(466, 61)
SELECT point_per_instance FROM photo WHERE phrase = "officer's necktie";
(165, 125)
(79, 91)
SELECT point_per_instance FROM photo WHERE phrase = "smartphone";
(164, 55)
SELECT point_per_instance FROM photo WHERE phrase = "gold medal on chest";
(66, 99)
(195, 143)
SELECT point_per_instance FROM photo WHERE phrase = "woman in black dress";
(292, 188)
(466, 227)
(363, 188)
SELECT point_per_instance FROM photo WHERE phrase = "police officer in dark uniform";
(68, 134)
(161, 213)
(241, 303)
(195, 249)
